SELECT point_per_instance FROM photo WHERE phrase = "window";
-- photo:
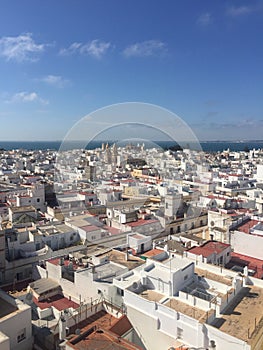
(179, 333)
(185, 277)
(21, 335)
(120, 291)
(38, 200)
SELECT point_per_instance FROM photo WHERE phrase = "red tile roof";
(112, 230)
(90, 228)
(103, 331)
(122, 326)
(58, 302)
(250, 262)
(66, 262)
(141, 222)
(209, 248)
(153, 252)
(247, 226)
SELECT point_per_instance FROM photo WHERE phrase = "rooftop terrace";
(241, 318)
(188, 310)
(214, 277)
(151, 295)
(120, 258)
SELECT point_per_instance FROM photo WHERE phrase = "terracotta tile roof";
(122, 326)
(112, 230)
(102, 331)
(153, 252)
(90, 228)
(247, 226)
(66, 262)
(250, 262)
(141, 222)
(209, 248)
(58, 302)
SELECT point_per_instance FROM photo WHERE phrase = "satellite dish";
(212, 223)
(77, 331)
(135, 285)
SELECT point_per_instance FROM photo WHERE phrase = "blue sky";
(61, 60)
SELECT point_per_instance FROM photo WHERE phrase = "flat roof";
(43, 285)
(138, 236)
(78, 222)
(58, 302)
(243, 314)
(142, 222)
(151, 295)
(112, 230)
(22, 209)
(106, 272)
(153, 252)
(125, 203)
(90, 228)
(188, 310)
(177, 262)
(120, 258)
(65, 262)
(214, 277)
(209, 248)
(244, 260)
(54, 229)
(6, 308)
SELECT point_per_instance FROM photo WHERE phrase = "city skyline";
(201, 61)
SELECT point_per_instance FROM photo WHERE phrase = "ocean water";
(209, 146)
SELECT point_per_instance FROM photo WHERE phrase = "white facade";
(35, 197)
(163, 306)
(15, 324)
(139, 242)
(247, 244)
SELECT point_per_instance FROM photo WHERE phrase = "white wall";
(223, 340)
(157, 327)
(13, 323)
(246, 244)
(4, 342)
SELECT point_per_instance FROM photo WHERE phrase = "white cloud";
(94, 48)
(204, 19)
(20, 48)
(26, 97)
(236, 11)
(72, 49)
(55, 80)
(145, 48)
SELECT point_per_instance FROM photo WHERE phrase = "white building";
(175, 305)
(15, 324)
(35, 196)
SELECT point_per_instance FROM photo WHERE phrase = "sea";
(207, 146)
